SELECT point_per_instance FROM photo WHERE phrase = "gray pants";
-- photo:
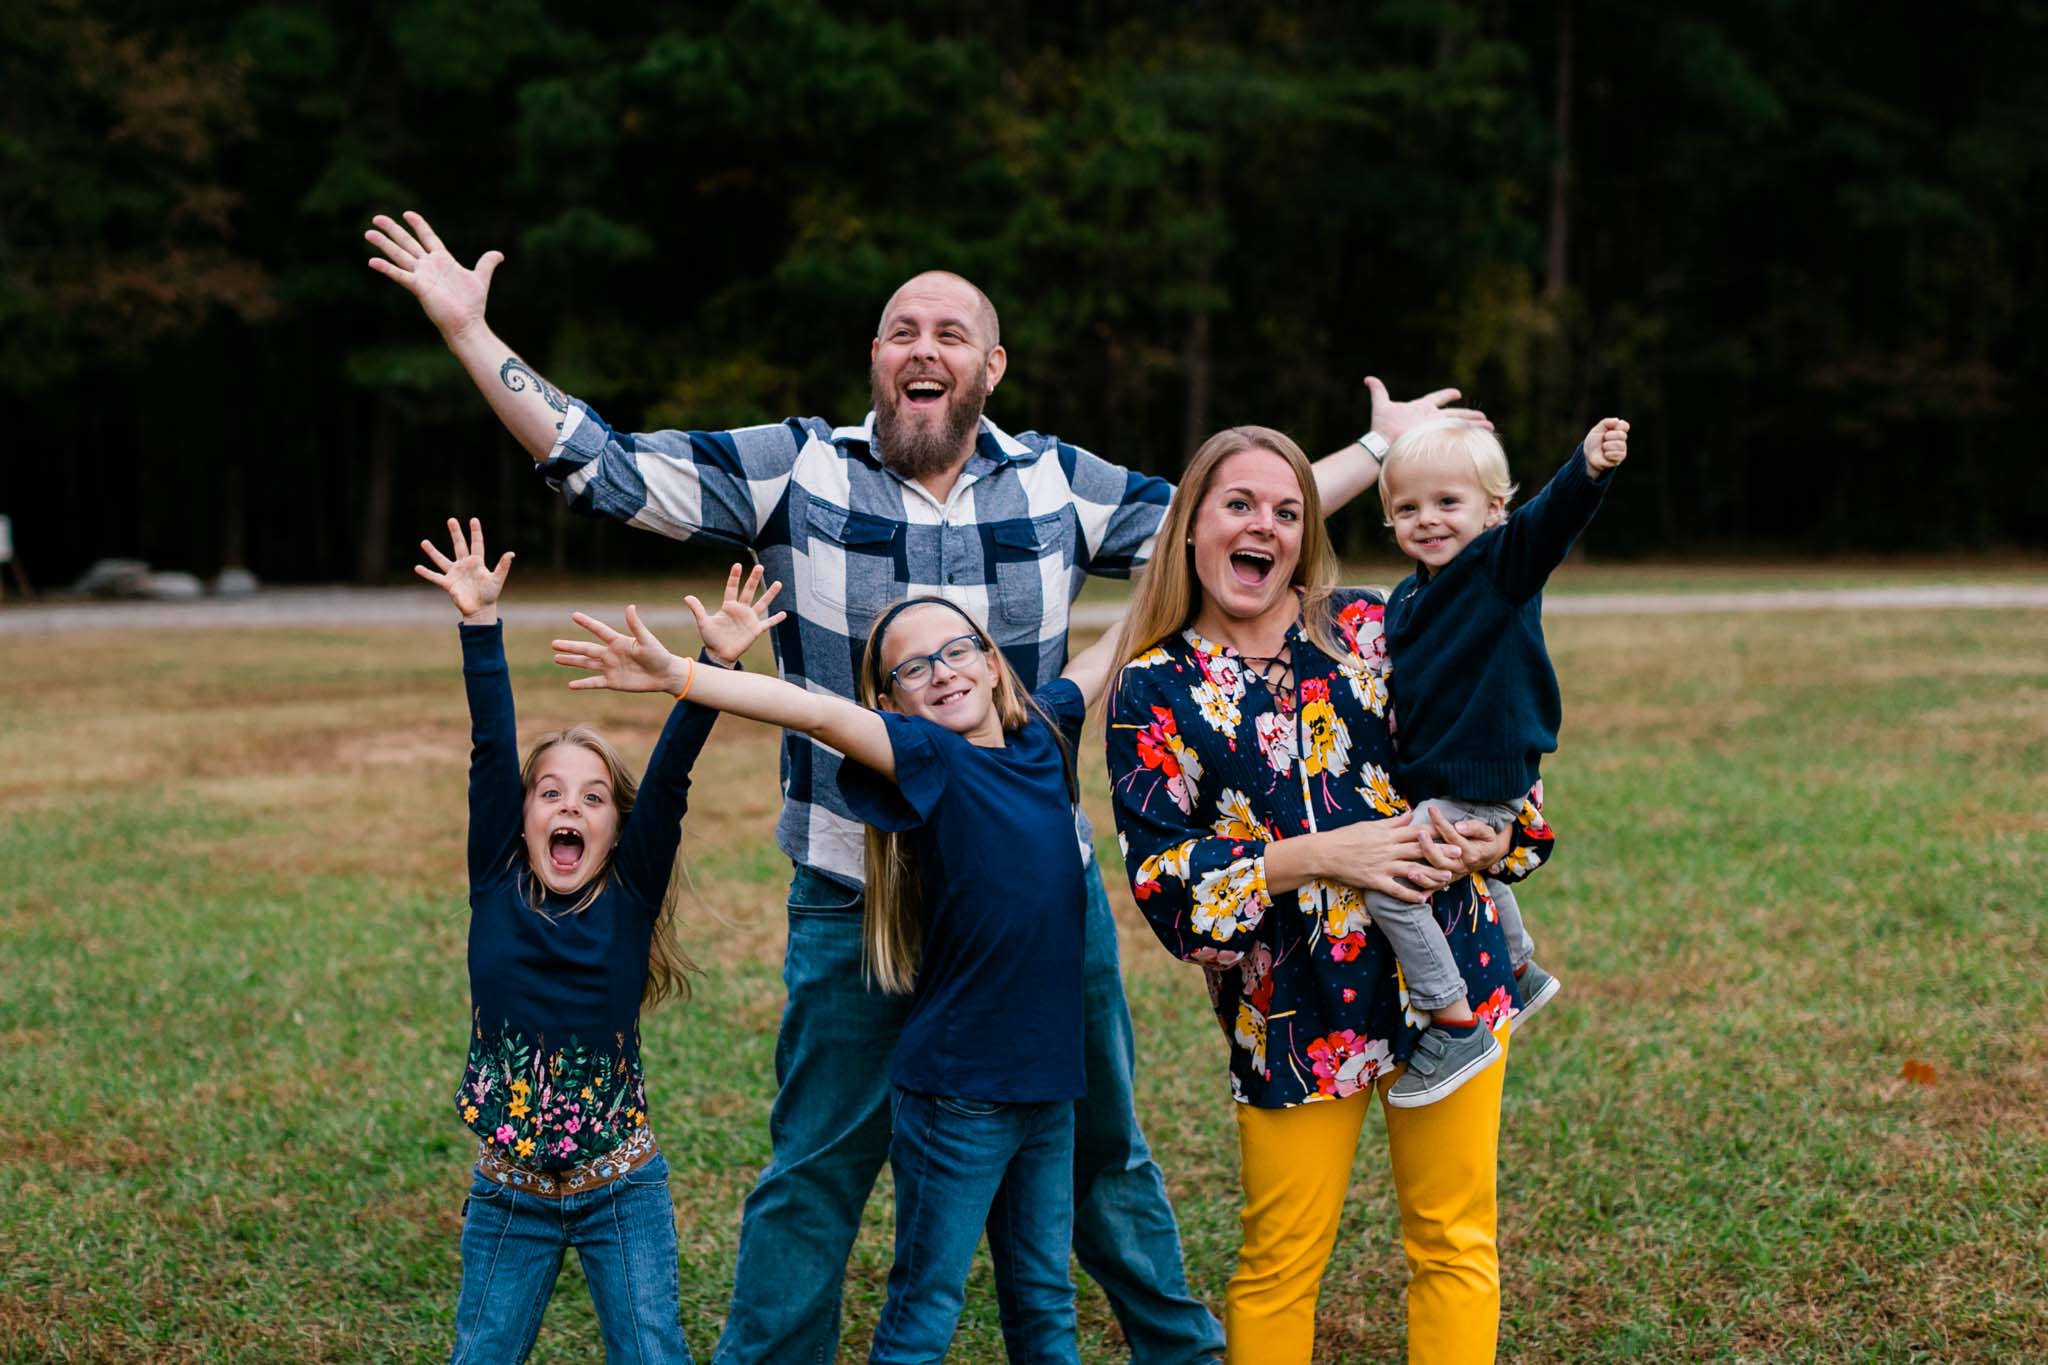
(1418, 941)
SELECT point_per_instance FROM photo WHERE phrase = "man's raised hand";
(452, 294)
(1606, 444)
(732, 629)
(462, 574)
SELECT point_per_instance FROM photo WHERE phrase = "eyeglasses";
(955, 654)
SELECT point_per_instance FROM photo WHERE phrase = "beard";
(916, 447)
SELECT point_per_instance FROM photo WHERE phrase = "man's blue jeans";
(625, 1236)
(829, 1130)
(962, 1166)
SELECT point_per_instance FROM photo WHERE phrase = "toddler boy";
(1475, 698)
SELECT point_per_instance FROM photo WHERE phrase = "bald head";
(942, 292)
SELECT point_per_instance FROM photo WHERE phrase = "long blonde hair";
(1169, 596)
(668, 967)
(892, 930)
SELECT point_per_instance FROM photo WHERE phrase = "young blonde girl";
(964, 779)
(570, 933)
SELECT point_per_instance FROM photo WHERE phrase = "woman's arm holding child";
(634, 660)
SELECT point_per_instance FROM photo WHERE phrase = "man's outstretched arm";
(1343, 474)
(453, 296)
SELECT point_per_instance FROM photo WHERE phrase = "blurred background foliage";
(1799, 244)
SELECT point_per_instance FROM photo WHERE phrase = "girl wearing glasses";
(957, 771)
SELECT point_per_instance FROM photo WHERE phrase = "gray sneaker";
(1538, 988)
(1442, 1061)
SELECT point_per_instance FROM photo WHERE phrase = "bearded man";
(926, 495)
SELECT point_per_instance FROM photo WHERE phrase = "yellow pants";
(1297, 1168)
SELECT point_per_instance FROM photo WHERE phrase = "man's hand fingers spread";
(426, 232)
(403, 277)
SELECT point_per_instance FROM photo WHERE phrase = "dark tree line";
(1800, 245)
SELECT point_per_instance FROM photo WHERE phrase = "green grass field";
(1798, 853)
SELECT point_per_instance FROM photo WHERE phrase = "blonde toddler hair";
(1450, 440)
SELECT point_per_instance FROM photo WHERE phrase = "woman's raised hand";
(472, 587)
(632, 660)
(731, 630)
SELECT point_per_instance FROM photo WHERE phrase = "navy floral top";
(1208, 765)
(553, 1078)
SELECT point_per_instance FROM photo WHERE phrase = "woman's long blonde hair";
(892, 931)
(668, 967)
(1169, 595)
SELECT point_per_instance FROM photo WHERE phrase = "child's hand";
(470, 586)
(635, 662)
(1606, 444)
(737, 624)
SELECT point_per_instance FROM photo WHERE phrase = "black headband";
(881, 631)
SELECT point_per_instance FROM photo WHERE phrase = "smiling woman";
(1249, 743)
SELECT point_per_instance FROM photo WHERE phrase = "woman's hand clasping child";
(636, 661)
(470, 586)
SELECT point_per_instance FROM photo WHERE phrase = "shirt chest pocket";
(854, 568)
(1031, 561)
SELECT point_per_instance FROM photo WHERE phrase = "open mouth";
(947, 699)
(565, 849)
(1251, 567)
(923, 393)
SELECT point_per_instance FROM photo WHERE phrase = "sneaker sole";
(1534, 1003)
(1447, 1085)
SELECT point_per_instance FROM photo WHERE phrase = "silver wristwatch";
(1375, 444)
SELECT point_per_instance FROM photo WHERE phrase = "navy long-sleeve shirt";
(1475, 698)
(553, 1076)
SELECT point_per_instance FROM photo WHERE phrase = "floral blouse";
(1208, 765)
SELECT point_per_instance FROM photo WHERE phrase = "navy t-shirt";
(996, 1013)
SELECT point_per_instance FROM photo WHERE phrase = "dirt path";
(299, 608)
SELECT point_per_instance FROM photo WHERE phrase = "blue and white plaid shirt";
(1029, 518)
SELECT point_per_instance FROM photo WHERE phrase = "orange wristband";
(688, 682)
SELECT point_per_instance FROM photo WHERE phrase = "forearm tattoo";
(515, 374)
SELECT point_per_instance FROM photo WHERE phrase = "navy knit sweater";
(553, 1076)
(1475, 698)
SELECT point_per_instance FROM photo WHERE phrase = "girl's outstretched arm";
(1089, 670)
(634, 660)
(495, 795)
(472, 587)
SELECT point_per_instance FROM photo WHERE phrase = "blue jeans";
(829, 1130)
(625, 1236)
(960, 1166)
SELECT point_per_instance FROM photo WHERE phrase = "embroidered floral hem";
(551, 1106)
(629, 1156)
